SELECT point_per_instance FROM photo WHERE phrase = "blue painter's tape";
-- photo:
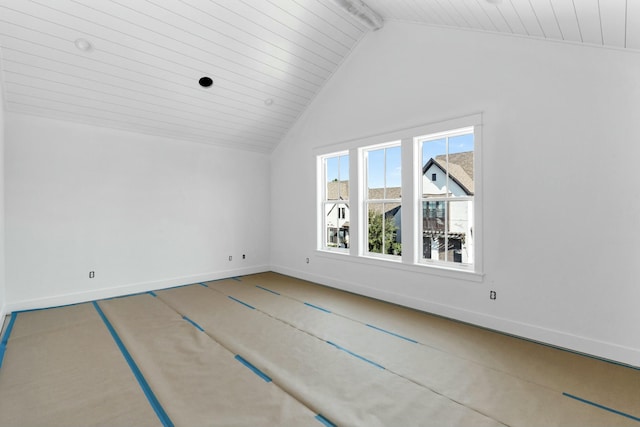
(255, 370)
(193, 323)
(325, 421)
(153, 294)
(268, 290)
(243, 303)
(203, 284)
(317, 308)
(151, 397)
(356, 355)
(392, 333)
(5, 338)
(597, 405)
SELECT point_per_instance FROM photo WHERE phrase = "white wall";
(142, 212)
(561, 245)
(2, 252)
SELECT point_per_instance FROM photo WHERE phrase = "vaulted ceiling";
(136, 64)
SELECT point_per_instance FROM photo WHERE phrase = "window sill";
(434, 270)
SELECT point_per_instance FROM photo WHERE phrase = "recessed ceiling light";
(205, 81)
(268, 101)
(83, 45)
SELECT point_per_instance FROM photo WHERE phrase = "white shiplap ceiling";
(267, 58)
(148, 55)
(607, 23)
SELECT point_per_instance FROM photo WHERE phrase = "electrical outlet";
(493, 295)
(92, 274)
(244, 256)
(230, 257)
(307, 260)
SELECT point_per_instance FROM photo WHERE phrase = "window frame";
(445, 199)
(324, 202)
(411, 203)
(363, 153)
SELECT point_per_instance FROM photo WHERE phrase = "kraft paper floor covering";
(270, 350)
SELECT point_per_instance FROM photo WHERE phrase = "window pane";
(337, 223)
(460, 233)
(337, 178)
(344, 177)
(393, 172)
(434, 178)
(392, 229)
(461, 166)
(447, 232)
(384, 228)
(375, 174)
(434, 223)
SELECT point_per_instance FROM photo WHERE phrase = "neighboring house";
(456, 221)
(338, 214)
(437, 221)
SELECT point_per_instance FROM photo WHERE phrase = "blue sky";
(338, 168)
(376, 168)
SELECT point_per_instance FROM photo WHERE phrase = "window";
(335, 204)
(412, 196)
(382, 201)
(447, 201)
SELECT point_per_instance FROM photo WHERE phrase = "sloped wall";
(560, 152)
(141, 212)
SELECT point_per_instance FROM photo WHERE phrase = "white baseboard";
(134, 288)
(575, 343)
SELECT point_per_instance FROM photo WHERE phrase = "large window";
(412, 196)
(335, 204)
(447, 192)
(382, 201)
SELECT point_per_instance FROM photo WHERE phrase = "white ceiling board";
(633, 30)
(513, 18)
(496, 16)
(546, 18)
(478, 16)
(268, 58)
(565, 13)
(613, 17)
(588, 13)
(453, 14)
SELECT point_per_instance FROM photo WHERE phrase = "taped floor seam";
(422, 344)
(226, 345)
(424, 386)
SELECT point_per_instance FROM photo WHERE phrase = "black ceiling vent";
(205, 81)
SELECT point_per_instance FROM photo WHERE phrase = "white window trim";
(410, 260)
